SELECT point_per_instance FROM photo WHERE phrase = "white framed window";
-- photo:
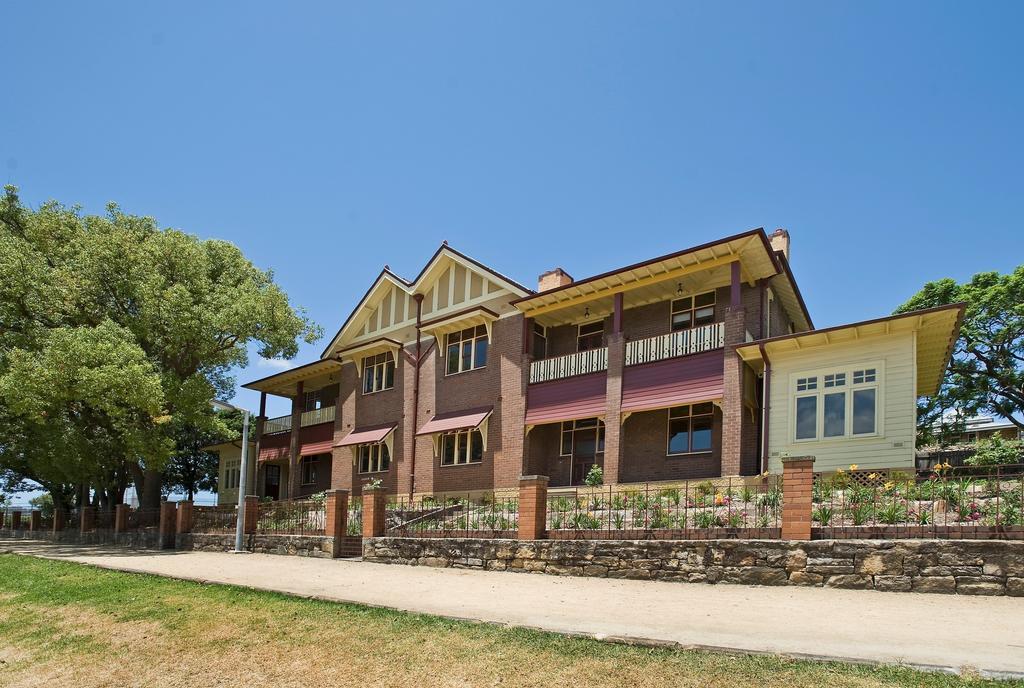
(466, 350)
(374, 458)
(462, 447)
(589, 336)
(690, 429)
(587, 425)
(692, 311)
(310, 465)
(837, 403)
(378, 372)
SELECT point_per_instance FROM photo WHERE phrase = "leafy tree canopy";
(114, 335)
(986, 374)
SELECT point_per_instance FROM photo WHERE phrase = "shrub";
(772, 498)
(996, 451)
(747, 494)
(618, 521)
(670, 494)
(891, 512)
(861, 513)
(704, 488)
(822, 515)
(707, 518)
(660, 518)
(584, 521)
(595, 476)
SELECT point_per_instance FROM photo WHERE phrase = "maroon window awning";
(456, 420)
(367, 435)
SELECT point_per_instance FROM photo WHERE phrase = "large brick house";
(463, 380)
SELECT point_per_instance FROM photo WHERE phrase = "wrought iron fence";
(721, 508)
(453, 516)
(292, 517)
(73, 520)
(214, 519)
(103, 519)
(141, 519)
(354, 524)
(952, 502)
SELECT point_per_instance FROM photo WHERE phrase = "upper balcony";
(695, 340)
(284, 423)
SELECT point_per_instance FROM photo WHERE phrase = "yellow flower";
(766, 474)
(889, 485)
(839, 471)
(873, 476)
(853, 466)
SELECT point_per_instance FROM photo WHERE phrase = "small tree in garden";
(595, 476)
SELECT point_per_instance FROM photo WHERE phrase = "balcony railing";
(581, 363)
(683, 343)
(284, 423)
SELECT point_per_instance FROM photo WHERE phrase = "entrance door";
(584, 454)
(272, 482)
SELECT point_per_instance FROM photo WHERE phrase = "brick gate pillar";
(35, 520)
(186, 513)
(15, 520)
(797, 484)
(336, 519)
(374, 506)
(250, 514)
(121, 518)
(533, 505)
(168, 524)
(87, 521)
(58, 519)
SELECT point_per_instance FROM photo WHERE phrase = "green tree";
(114, 335)
(986, 373)
(191, 468)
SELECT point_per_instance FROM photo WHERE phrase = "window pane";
(389, 376)
(453, 358)
(385, 457)
(460, 447)
(863, 411)
(683, 304)
(835, 415)
(378, 377)
(467, 355)
(367, 379)
(447, 450)
(476, 452)
(540, 346)
(700, 409)
(806, 418)
(701, 434)
(707, 299)
(679, 436)
(480, 354)
(704, 316)
(364, 459)
(566, 442)
(681, 321)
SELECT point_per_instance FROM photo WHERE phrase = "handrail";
(580, 363)
(682, 343)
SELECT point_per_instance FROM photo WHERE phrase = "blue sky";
(328, 139)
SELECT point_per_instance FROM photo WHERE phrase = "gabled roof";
(438, 263)
(937, 330)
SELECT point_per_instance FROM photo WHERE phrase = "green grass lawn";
(69, 624)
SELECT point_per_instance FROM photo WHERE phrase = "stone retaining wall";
(295, 545)
(148, 538)
(968, 567)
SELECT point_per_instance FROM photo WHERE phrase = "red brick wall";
(645, 451)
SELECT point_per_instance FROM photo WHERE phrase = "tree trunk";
(147, 486)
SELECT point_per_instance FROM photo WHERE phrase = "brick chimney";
(552, 279)
(780, 242)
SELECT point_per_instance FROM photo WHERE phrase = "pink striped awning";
(367, 435)
(456, 420)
